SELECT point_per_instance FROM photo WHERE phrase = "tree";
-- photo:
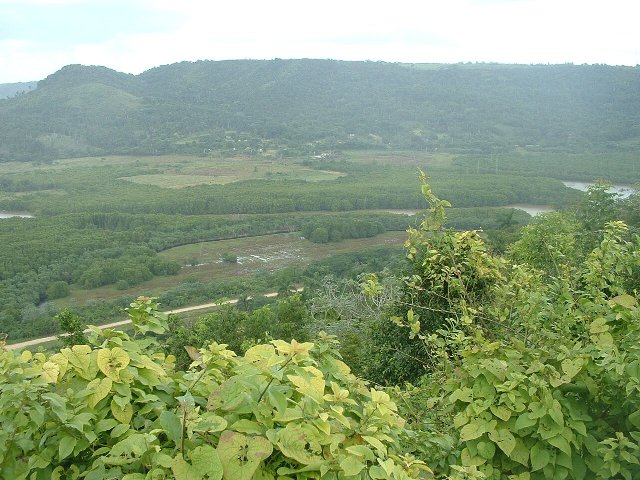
(72, 326)
(59, 289)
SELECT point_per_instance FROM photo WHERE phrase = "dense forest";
(306, 106)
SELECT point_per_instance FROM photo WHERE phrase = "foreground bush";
(117, 408)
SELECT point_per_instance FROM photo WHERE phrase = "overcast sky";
(38, 37)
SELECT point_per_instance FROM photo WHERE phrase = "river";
(15, 214)
(623, 191)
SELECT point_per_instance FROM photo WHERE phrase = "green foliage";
(118, 408)
(530, 366)
(72, 326)
(58, 289)
(81, 110)
(286, 319)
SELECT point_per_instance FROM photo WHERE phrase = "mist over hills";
(8, 90)
(310, 105)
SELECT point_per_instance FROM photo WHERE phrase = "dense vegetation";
(95, 228)
(307, 106)
(516, 363)
(502, 347)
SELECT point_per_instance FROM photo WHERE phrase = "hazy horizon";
(38, 37)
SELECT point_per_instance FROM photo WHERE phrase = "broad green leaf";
(182, 470)
(50, 372)
(520, 453)
(123, 415)
(377, 473)
(556, 413)
(37, 460)
(247, 426)
(634, 418)
(377, 444)
(101, 388)
(525, 421)
(112, 361)
(464, 394)
(66, 446)
(539, 457)
(172, 426)
(277, 399)
(561, 444)
(624, 300)
(210, 422)
(263, 356)
(500, 411)
(504, 439)
(351, 466)
(106, 424)
(81, 358)
(572, 367)
(241, 455)
(471, 459)
(362, 451)
(472, 430)
(80, 421)
(599, 325)
(537, 410)
(312, 387)
(294, 348)
(289, 415)
(300, 442)
(61, 361)
(603, 340)
(205, 461)
(486, 450)
(119, 430)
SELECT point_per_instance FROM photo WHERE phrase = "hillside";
(8, 90)
(323, 104)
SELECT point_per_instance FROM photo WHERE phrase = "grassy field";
(266, 253)
(179, 171)
(223, 171)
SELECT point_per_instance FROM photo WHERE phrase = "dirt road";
(39, 341)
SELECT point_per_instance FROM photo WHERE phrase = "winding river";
(15, 214)
(623, 191)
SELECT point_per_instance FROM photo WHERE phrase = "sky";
(38, 37)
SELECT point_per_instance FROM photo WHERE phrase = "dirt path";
(39, 341)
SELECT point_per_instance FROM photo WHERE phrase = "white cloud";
(513, 31)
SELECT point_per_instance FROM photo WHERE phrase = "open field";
(266, 253)
(223, 171)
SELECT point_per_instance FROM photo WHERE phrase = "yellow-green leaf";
(50, 372)
(539, 457)
(572, 367)
(624, 300)
(504, 439)
(111, 361)
(599, 325)
(313, 387)
(101, 389)
(351, 466)
(66, 446)
(123, 415)
(240, 455)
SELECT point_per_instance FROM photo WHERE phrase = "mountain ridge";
(316, 104)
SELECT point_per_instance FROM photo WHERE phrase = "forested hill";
(318, 104)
